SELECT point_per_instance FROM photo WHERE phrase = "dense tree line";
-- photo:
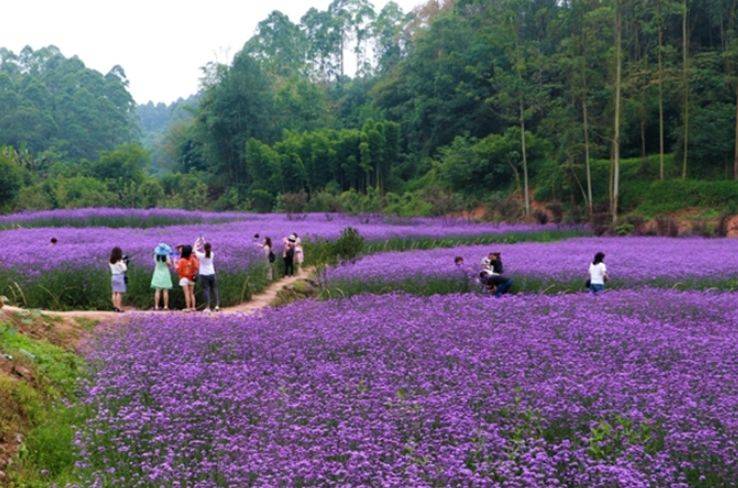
(53, 104)
(591, 103)
(528, 96)
(161, 129)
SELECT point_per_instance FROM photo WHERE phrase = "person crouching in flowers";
(187, 268)
(118, 270)
(161, 281)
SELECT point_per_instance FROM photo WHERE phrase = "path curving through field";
(257, 302)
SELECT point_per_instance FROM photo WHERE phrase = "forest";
(596, 108)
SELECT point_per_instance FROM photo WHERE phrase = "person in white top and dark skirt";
(118, 270)
(597, 273)
(204, 253)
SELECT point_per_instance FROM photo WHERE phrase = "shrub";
(349, 245)
(292, 202)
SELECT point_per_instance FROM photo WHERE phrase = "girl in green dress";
(161, 282)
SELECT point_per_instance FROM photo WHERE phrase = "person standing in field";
(161, 281)
(288, 255)
(598, 273)
(118, 270)
(299, 253)
(270, 257)
(187, 269)
(204, 253)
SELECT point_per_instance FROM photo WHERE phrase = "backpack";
(272, 257)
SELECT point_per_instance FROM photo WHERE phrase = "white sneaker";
(217, 309)
(207, 310)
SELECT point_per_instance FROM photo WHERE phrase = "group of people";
(190, 263)
(492, 275)
(293, 254)
(194, 264)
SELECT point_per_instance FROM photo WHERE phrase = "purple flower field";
(630, 260)
(629, 389)
(28, 249)
(74, 272)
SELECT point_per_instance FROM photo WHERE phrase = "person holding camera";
(118, 266)
(161, 281)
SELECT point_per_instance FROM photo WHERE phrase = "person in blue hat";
(161, 282)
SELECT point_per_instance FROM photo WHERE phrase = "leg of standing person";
(157, 296)
(186, 298)
(216, 293)
(166, 299)
(596, 289)
(192, 296)
(205, 283)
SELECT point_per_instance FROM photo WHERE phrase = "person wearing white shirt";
(598, 273)
(204, 253)
(118, 270)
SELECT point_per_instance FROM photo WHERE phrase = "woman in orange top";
(187, 268)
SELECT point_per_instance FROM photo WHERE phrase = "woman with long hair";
(204, 253)
(598, 273)
(267, 247)
(118, 270)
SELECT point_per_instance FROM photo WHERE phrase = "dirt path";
(265, 298)
(257, 302)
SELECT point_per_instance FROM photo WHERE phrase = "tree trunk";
(685, 87)
(526, 195)
(661, 104)
(616, 134)
(587, 168)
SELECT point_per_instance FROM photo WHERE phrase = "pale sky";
(161, 44)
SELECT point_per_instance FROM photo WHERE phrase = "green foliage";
(609, 439)
(479, 167)
(88, 288)
(349, 245)
(11, 179)
(123, 164)
(660, 197)
(48, 101)
(48, 405)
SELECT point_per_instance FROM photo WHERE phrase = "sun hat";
(163, 249)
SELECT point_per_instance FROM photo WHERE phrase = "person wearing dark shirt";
(502, 283)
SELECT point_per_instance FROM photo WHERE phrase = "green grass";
(89, 288)
(45, 408)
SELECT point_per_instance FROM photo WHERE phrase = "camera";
(126, 259)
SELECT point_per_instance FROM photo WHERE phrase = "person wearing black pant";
(289, 258)
(501, 283)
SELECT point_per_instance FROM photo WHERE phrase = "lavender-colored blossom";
(28, 249)
(625, 389)
(630, 260)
